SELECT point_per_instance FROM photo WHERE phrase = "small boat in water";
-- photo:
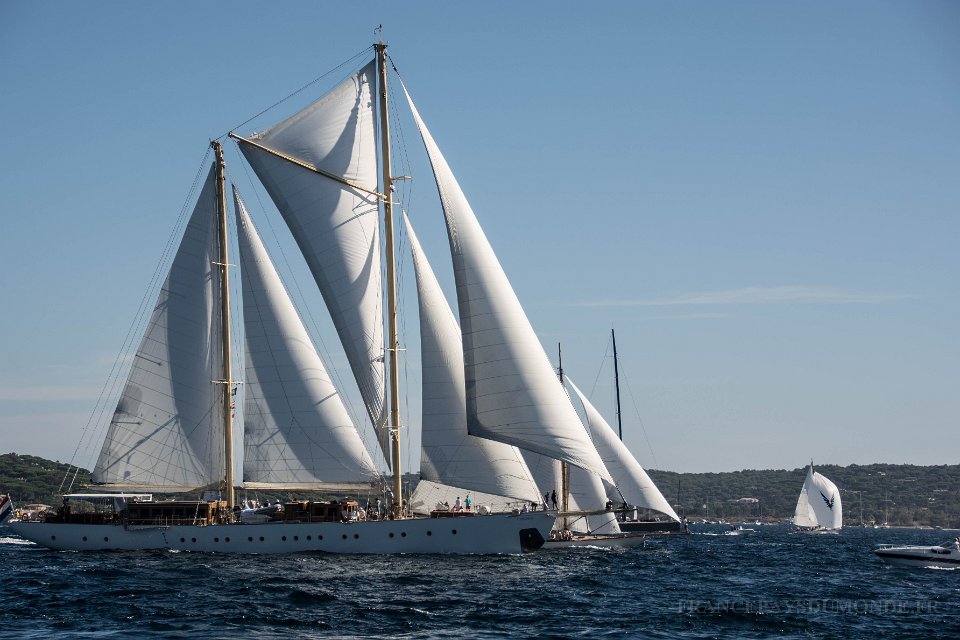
(945, 556)
(738, 530)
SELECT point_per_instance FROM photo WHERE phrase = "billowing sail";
(630, 478)
(320, 168)
(428, 496)
(819, 503)
(513, 395)
(167, 431)
(449, 455)
(297, 432)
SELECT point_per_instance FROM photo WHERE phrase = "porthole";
(391, 534)
(261, 538)
(454, 532)
(309, 538)
(53, 537)
(319, 537)
(295, 538)
(226, 539)
(193, 539)
(356, 536)
(403, 534)
(250, 539)
(429, 533)
(84, 538)
(106, 539)
(183, 539)
(344, 536)
(216, 539)
(284, 538)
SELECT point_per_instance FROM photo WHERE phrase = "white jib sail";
(297, 431)
(819, 504)
(167, 431)
(513, 395)
(449, 455)
(629, 476)
(336, 225)
(431, 495)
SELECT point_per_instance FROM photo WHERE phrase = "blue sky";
(762, 198)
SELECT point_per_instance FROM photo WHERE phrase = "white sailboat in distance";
(819, 508)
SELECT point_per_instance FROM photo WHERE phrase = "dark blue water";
(768, 584)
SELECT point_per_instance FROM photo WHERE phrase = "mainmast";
(392, 346)
(616, 382)
(564, 467)
(225, 324)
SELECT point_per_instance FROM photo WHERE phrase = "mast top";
(378, 34)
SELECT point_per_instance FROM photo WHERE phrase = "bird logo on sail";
(828, 501)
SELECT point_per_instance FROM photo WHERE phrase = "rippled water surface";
(771, 583)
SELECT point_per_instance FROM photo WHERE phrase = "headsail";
(449, 455)
(297, 432)
(819, 504)
(513, 395)
(167, 431)
(320, 168)
(630, 478)
(586, 494)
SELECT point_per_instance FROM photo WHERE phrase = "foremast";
(227, 380)
(392, 347)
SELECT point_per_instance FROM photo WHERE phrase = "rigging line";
(96, 415)
(298, 91)
(316, 335)
(636, 408)
(603, 362)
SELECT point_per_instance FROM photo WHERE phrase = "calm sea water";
(768, 584)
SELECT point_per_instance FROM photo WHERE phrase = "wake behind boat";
(945, 556)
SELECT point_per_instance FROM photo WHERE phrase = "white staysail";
(320, 168)
(297, 432)
(449, 455)
(513, 395)
(167, 431)
(630, 478)
(819, 504)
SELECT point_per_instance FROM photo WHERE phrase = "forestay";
(634, 484)
(333, 214)
(449, 455)
(297, 432)
(167, 431)
(512, 393)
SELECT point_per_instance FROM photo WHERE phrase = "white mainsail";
(819, 504)
(167, 431)
(449, 455)
(631, 479)
(320, 168)
(512, 393)
(297, 432)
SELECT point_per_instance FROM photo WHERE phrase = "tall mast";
(225, 324)
(616, 382)
(564, 468)
(392, 346)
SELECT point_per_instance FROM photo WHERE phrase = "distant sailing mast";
(392, 346)
(227, 381)
(616, 382)
(564, 468)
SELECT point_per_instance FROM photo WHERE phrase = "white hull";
(504, 533)
(911, 556)
(623, 540)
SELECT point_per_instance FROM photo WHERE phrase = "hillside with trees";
(897, 494)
